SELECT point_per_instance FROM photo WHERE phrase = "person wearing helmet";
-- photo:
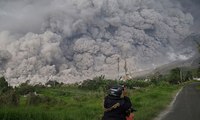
(116, 104)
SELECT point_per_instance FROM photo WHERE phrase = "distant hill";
(187, 64)
(191, 63)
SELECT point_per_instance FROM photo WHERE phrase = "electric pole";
(118, 60)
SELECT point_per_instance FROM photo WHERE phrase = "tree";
(3, 82)
(198, 72)
(7, 94)
(3, 85)
(25, 88)
(54, 83)
(188, 76)
(156, 78)
(198, 44)
(174, 76)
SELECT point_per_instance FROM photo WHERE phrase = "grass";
(81, 104)
(198, 87)
(150, 101)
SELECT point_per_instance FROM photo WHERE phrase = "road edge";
(168, 108)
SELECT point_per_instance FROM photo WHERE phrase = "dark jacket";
(118, 113)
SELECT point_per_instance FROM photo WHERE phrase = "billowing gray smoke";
(72, 40)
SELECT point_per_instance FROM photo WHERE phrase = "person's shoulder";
(108, 97)
(126, 97)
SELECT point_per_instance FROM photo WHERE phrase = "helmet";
(116, 91)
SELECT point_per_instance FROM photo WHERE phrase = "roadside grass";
(152, 100)
(82, 104)
(196, 81)
(198, 87)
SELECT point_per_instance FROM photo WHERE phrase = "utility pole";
(125, 67)
(181, 75)
(118, 60)
(126, 70)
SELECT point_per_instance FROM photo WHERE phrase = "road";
(186, 105)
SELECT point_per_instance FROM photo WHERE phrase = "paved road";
(187, 104)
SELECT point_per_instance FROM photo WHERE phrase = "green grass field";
(71, 103)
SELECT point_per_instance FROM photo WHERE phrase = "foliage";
(9, 98)
(187, 76)
(54, 83)
(4, 85)
(25, 89)
(97, 83)
(66, 102)
(156, 78)
(174, 76)
(152, 100)
(102, 83)
(136, 83)
(196, 72)
(33, 99)
(87, 105)
(3, 82)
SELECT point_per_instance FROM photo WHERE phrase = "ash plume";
(73, 40)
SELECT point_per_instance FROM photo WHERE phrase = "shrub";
(174, 76)
(54, 83)
(157, 78)
(4, 85)
(102, 83)
(136, 83)
(188, 76)
(3, 82)
(33, 99)
(25, 89)
(9, 98)
(97, 83)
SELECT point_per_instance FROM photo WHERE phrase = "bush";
(54, 83)
(188, 76)
(9, 98)
(25, 89)
(157, 78)
(3, 82)
(136, 83)
(102, 83)
(4, 85)
(33, 99)
(97, 83)
(174, 76)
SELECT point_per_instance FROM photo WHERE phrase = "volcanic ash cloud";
(72, 40)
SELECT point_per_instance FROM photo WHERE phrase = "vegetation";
(198, 87)
(150, 101)
(8, 97)
(4, 86)
(54, 84)
(79, 104)
(25, 89)
(174, 76)
(196, 72)
(83, 101)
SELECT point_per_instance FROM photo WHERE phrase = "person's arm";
(128, 108)
(127, 102)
